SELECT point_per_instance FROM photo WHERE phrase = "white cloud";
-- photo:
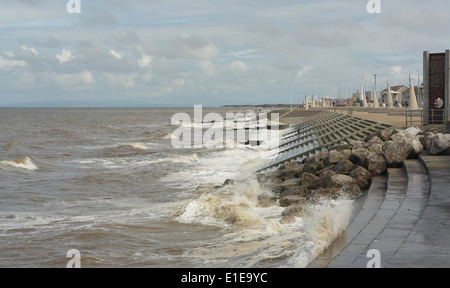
(115, 54)
(239, 66)
(145, 61)
(64, 56)
(303, 71)
(193, 47)
(246, 53)
(8, 64)
(120, 79)
(396, 72)
(32, 50)
(206, 52)
(179, 81)
(9, 54)
(74, 80)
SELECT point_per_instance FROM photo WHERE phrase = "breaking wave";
(138, 146)
(185, 159)
(24, 163)
(252, 215)
(168, 136)
(126, 149)
(324, 222)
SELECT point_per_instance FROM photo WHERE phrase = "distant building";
(397, 93)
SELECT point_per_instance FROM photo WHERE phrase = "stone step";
(376, 224)
(404, 202)
(371, 203)
(406, 216)
(427, 245)
(395, 192)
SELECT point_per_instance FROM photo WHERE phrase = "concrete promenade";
(405, 215)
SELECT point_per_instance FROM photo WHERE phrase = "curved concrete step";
(394, 196)
(371, 204)
(406, 197)
(389, 240)
(427, 245)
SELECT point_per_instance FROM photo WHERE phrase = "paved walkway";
(406, 217)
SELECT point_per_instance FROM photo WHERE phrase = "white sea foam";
(138, 146)
(185, 158)
(168, 136)
(325, 222)
(256, 234)
(24, 163)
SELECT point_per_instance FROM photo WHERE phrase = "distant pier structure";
(436, 88)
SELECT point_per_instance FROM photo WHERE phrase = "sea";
(109, 184)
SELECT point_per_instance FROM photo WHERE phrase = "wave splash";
(23, 163)
(323, 222)
(254, 236)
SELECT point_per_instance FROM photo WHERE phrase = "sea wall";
(346, 170)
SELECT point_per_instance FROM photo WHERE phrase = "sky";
(211, 53)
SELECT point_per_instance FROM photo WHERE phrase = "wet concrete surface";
(405, 217)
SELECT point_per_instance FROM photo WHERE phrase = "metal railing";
(435, 117)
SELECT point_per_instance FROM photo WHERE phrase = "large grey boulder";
(404, 145)
(291, 200)
(407, 133)
(309, 182)
(362, 177)
(288, 184)
(383, 135)
(288, 171)
(343, 167)
(336, 156)
(359, 156)
(376, 147)
(376, 163)
(396, 152)
(439, 144)
(345, 183)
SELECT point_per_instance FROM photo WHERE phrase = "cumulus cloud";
(396, 72)
(281, 43)
(115, 54)
(192, 47)
(7, 64)
(145, 61)
(239, 66)
(31, 50)
(65, 56)
(74, 80)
